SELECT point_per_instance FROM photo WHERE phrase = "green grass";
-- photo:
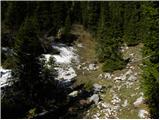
(87, 55)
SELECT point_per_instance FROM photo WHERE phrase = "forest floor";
(122, 96)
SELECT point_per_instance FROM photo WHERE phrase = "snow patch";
(67, 54)
(65, 74)
(64, 61)
(4, 74)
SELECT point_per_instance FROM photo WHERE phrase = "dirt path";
(122, 96)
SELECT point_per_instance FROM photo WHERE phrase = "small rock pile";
(89, 67)
(107, 76)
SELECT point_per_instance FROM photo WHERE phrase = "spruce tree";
(132, 28)
(67, 25)
(28, 49)
(150, 81)
(15, 14)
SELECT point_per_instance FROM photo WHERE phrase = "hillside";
(121, 88)
(80, 59)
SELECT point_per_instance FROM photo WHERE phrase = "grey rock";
(125, 103)
(93, 67)
(73, 94)
(143, 114)
(107, 76)
(97, 87)
(79, 67)
(79, 45)
(94, 98)
(139, 101)
(132, 78)
(100, 76)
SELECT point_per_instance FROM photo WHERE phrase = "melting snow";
(63, 60)
(67, 54)
(66, 74)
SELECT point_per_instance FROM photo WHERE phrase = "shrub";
(111, 65)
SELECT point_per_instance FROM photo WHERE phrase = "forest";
(64, 59)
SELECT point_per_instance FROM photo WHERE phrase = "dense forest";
(25, 31)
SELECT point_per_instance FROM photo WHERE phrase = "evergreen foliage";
(151, 65)
(111, 23)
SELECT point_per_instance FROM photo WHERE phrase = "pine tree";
(59, 12)
(150, 81)
(15, 14)
(43, 12)
(28, 48)
(93, 16)
(132, 28)
(107, 43)
(84, 9)
(67, 25)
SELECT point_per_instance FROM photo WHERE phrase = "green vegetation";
(111, 65)
(112, 24)
(151, 64)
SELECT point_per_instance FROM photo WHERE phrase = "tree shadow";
(72, 107)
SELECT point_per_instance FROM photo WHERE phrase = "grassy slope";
(87, 55)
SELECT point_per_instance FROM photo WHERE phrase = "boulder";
(132, 78)
(79, 67)
(92, 67)
(128, 72)
(107, 76)
(125, 103)
(123, 77)
(139, 101)
(115, 99)
(100, 76)
(97, 87)
(143, 114)
(132, 54)
(84, 102)
(79, 45)
(73, 94)
(94, 98)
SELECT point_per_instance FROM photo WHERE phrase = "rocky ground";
(121, 95)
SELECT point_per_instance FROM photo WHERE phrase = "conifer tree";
(15, 14)
(93, 16)
(132, 30)
(28, 48)
(150, 81)
(67, 25)
(84, 9)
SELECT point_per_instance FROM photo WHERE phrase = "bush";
(9, 62)
(111, 65)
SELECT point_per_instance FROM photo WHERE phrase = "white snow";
(64, 61)
(66, 74)
(4, 75)
(67, 54)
